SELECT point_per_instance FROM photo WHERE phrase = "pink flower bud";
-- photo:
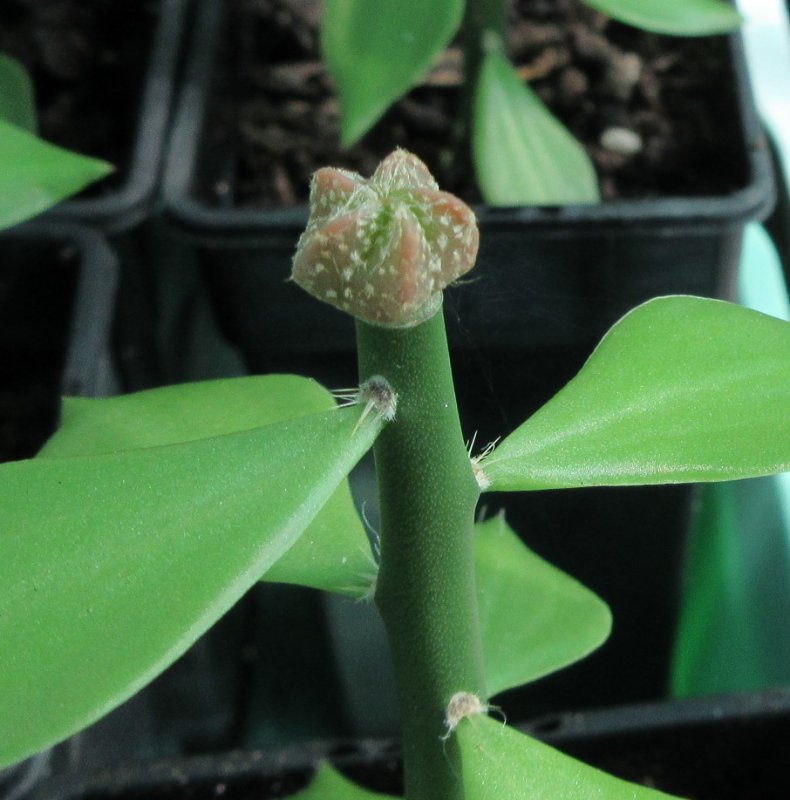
(383, 249)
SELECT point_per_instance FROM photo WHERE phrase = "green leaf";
(534, 618)
(676, 17)
(112, 565)
(523, 154)
(329, 784)
(733, 631)
(17, 104)
(333, 554)
(682, 389)
(499, 762)
(377, 51)
(36, 175)
(182, 413)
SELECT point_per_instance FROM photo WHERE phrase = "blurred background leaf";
(523, 154)
(376, 51)
(17, 102)
(676, 17)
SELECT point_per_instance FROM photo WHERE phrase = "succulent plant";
(383, 249)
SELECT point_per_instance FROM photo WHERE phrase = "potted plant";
(578, 268)
(156, 511)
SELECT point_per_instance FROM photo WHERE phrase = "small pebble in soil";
(623, 141)
(573, 86)
(622, 75)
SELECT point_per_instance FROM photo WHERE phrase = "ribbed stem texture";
(426, 589)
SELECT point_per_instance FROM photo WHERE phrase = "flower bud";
(383, 249)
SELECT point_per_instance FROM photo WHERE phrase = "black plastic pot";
(728, 748)
(131, 202)
(57, 301)
(549, 281)
(122, 206)
(545, 276)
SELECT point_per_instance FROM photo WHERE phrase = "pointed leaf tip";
(681, 389)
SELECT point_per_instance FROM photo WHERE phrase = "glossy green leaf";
(17, 104)
(333, 553)
(112, 565)
(36, 175)
(523, 154)
(329, 784)
(682, 389)
(534, 618)
(676, 17)
(377, 51)
(499, 762)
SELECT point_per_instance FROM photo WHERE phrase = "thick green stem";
(426, 585)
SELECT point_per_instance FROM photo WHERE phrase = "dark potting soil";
(36, 297)
(87, 62)
(672, 96)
